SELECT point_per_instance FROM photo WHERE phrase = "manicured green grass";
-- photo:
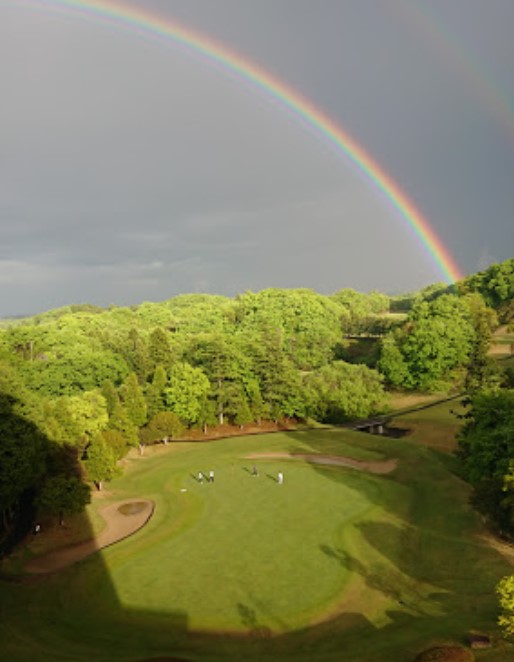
(335, 564)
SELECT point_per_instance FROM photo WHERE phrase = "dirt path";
(122, 520)
(374, 467)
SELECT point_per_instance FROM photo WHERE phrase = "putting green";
(242, 552)
(250, 543)
(334, 559)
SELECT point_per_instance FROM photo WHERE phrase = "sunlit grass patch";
(334, 560)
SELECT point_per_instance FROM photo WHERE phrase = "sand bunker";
(374, 467)
(122, 520)
(132, 507)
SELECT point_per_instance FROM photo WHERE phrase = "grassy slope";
(502, 346)
(393, 560)
(434, 427)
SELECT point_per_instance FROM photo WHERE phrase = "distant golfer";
(200, 477)
(254, 471)
(211, 476)
(280, 478)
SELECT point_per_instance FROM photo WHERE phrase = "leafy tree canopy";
(63, 495)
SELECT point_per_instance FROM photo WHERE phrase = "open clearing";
(335, 564)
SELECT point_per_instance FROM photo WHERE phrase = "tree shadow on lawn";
(77, 613)
(426, 601)
(376, 578)
(443, 591)
(425, 554)
(44, 615)
(251, 622)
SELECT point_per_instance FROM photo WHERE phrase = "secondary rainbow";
(150, 24)
(423, 18)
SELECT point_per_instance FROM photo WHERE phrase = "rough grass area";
(435, 427)
(335, 564)
(502, 343)
(402, 401)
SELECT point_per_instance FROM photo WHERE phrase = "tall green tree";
(360, 311)
(483, 371)
(23, 456)
(188, 387)
(207, 417)
(392, 363)
(100, 462)
(121, 422)
(435, 343)
(159, 348)
(88, 413)
(134, 400)
(111, 396)
(486, 449)
(496, 285)
(136, 354)
(309, 323)
(155, 392)
(280, 388)
(117, 442)
(63, 495)
(224, 366)
(164, 426)
(342, 391)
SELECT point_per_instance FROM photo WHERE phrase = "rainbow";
(453, 54)
(146, 23)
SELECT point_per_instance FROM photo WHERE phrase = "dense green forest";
(82, 385)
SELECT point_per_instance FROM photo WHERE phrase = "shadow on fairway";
(76, 614)
(251, 622)
(378, 578)
(39, 618)
(425, 559)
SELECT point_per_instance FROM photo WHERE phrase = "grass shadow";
(38, 617)
(39, 620)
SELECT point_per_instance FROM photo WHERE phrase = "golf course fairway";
(337, 563)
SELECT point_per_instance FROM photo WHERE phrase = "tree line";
(96, 382)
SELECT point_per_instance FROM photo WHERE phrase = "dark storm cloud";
(131, 170)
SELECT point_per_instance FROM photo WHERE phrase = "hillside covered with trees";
(96, 382)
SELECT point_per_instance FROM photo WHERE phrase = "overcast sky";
(132, 170)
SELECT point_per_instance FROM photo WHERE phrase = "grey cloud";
(124, 160)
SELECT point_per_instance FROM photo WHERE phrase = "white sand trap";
(374, 467)
(122, 520)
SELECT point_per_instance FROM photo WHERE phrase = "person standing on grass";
(254, 471)
(200, 477)
(280, 479)
(211, 476)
